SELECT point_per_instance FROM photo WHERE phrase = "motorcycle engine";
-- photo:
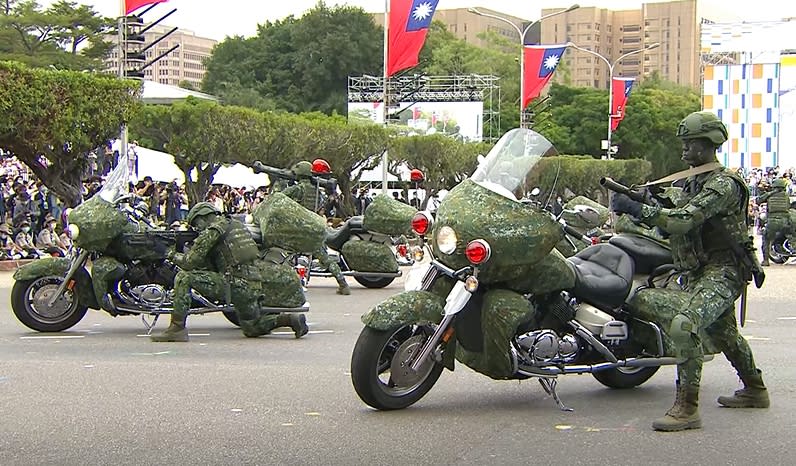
(148, 285)
(151, 296)
(547, 347)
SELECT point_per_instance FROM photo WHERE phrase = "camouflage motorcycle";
(370, 247)
(499, 298)
(120, 266)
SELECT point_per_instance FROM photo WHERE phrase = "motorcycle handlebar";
(330, 184)
(612, 185)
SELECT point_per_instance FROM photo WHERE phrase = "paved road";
(102, 393)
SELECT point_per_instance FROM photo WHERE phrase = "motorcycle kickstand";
(549, 386)
(149, 326)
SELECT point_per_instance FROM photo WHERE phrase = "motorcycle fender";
(44, 267)
(58, 266)
(406, 308)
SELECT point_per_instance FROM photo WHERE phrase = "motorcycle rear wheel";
(380, 367)
(624, 377)
(28, 303)
(374, 282)
(232, 317)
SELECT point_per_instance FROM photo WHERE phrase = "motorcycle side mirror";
(588, 214)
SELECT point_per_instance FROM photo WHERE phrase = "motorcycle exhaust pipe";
(549, 371)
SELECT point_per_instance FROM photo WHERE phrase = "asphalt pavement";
(102, 393)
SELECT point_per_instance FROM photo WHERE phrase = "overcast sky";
(217, 19)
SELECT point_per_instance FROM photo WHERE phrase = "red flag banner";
(540, 61)
(132, 5)
(408, 25)
(620, 90)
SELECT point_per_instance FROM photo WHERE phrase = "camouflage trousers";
(244, 295)
(710, 308)
(332, 266)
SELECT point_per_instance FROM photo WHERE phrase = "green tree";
(299, 64)
(53, 119)
(64, 35)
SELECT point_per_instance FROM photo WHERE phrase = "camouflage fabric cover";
(367, 256)
(285, 224)
(553, 273)
(501, 314)
(566, 248)
(105, 272)
(578, 221)
(519, 235)
(278, 284)
(420, 307)
(625, 225)
(390, 217)
(99, 224)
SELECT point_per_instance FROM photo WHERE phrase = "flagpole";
(122, 62)
(385, 98)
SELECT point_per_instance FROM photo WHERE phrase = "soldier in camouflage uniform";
(222, 264)
(306, 194)
(702, 228)
(777, 214)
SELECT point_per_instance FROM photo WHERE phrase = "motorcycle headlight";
(446, 240)
(74, 231)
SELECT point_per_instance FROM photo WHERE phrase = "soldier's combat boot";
(342, 286)
(176, 332)
(684, 414)
(765, 262)
(297, 322)
(753, 394)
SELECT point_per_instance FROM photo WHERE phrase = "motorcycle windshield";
(118, 182)
(512, 167)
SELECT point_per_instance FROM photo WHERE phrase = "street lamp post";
(611, 79)
(522, 33)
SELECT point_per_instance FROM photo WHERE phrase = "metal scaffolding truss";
(420, 88)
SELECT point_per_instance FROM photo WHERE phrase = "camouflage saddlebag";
(278, 285)
(367, 256)
(387, 216)
(286, 224)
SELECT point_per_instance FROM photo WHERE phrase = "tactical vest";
(236, 247)
(778, 202)
(307, 195)
(705, 244)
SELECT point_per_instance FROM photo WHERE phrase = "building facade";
(612, 34)
(187, 63)
(468, 26)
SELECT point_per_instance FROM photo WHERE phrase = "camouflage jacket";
(221, 247)
(777, 201)
(712, 202)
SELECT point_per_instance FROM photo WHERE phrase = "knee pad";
(682, 329)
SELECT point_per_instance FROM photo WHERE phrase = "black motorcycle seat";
(647, 253)
(336, 238)
(603, 275)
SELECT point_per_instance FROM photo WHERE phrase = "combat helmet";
(703, 125)
(201, 209)
(302, 168)
(779, 183)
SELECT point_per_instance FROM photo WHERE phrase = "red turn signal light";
(477, 251)
(421, 223)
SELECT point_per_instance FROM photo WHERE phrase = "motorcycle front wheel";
(380, 367)
(30, 303)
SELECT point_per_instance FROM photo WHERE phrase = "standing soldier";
(777, 215)
(221, 264)
(306, 194)
(714, 254)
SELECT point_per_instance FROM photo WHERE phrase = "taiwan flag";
(620, 90)
(132, 5)
(409, 21)
(540, 63)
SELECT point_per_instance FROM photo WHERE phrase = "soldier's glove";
(622, 204)
(171, 254)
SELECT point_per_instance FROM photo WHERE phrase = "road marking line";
(52, 337)
(786, 318)
(190, 335)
